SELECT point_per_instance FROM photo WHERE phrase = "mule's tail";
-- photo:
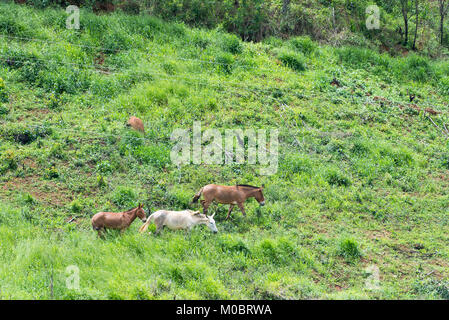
(144, 227)
(197, 196)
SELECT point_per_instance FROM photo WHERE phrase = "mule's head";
(141, 213)
(208, 221)
(211, 223)
(259, 196)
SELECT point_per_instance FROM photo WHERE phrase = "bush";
(438, 288)
(24, 135)
(10, 25)
(158, 156)
(304, 45)
(3, 93)
(335, 177)
(224, 62)
(444, 86)
(230, 43)
(361, 57)
(104, 167)
(124, 197)
(417, 68)
(76, 206)
(292, 59)
(51, 173)
(296, 163)
(3, 110)
(349, 249)
(8, 160)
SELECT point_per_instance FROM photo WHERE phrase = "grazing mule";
(232, 195)
(117, 220)
(136, 124)
(175, 220)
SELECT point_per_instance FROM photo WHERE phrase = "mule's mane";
(127, 211)
(247, 185)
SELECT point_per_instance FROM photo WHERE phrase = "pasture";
(362, 180)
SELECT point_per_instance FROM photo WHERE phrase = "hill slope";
(362, 182)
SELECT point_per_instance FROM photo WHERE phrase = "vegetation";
(362, 178)
(404, 24)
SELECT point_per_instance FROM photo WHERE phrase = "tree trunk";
(443, 12)
(441, 30)
(406, 30)
(285, 7)
(404, 8)
(417, 23)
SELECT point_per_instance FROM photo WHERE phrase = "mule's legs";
(242, 208)
(158, 229)
(101, 232)
(229, 212)
(205, 206)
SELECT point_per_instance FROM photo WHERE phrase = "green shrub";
(444, 86)
(349, 249)
(335, 177)
(292, 59)
(101, 181)
(3, 92)
(104, 167)
(28, 199)
(13, 26)
(9, 159)
(224, 62)
(24, 135)
(57, 151)
(76, 206)
(417, 68)
(54, 101)
(200, 39)
(230, 43)
(435, 287)
(296, 163)
(3, 110)
(124, 197)
(156, 155)
(229, 244)
(273, 42)
(304, 45)
(51, 173)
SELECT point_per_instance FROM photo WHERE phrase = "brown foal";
(232, 195)
(117, 220)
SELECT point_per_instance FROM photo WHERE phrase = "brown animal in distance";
(136, 124)
(232, 195)
(117, 220)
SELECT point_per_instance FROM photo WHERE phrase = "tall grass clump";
(349, 249)
(415, 67)
(292, 59)
(444, 86)
(124, 197)
(304, 45)
(230, 43)
(362, 57)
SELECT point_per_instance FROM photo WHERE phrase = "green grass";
(362, 176)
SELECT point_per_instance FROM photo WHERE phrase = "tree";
(416, 24)
(444, 8)
(405, 9)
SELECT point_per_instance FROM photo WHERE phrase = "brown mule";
(117, 220)
(232, 195)
(136, 124)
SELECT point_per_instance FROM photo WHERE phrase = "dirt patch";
(47, 192)
(378, 234)
(412, 251)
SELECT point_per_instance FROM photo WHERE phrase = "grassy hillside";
(362, 178)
